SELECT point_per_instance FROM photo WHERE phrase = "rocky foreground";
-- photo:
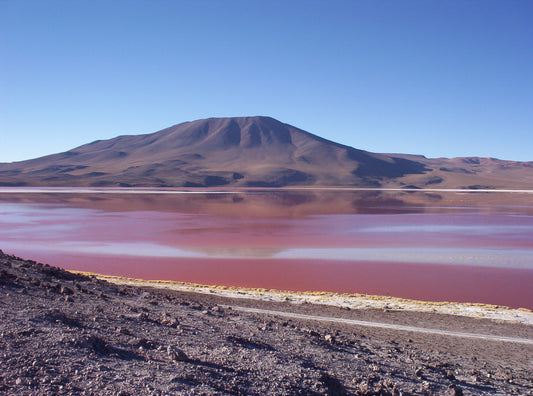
(64, 333)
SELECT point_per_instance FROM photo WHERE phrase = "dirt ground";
(64, 333)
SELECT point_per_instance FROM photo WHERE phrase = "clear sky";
(439, 78)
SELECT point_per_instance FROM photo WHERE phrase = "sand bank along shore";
(349, 301)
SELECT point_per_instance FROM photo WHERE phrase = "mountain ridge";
(256, 151)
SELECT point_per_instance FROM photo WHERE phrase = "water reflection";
(408, 244)
(287, 203)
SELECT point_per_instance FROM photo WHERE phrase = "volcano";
(252, 152)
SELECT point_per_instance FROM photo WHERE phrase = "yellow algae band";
(352, 301)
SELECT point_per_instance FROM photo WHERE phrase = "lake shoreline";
(504, 287)
(353, 301)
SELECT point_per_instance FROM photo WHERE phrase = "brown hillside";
(251, 152)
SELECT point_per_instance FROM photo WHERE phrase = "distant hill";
(252, 152)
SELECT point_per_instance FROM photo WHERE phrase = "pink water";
(468, 250)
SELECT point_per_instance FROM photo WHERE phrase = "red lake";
(463, 246)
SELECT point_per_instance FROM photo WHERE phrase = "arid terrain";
(254, 152)
(66, 333)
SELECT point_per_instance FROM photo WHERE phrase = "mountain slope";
(242, 151)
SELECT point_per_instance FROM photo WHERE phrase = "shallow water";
(468, 247)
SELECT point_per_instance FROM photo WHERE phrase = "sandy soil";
(345, 301)
(65, 333)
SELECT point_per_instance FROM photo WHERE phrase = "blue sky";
(439, 78)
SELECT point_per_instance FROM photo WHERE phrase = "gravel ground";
(64, 333)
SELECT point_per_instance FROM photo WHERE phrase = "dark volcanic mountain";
(251, 152)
